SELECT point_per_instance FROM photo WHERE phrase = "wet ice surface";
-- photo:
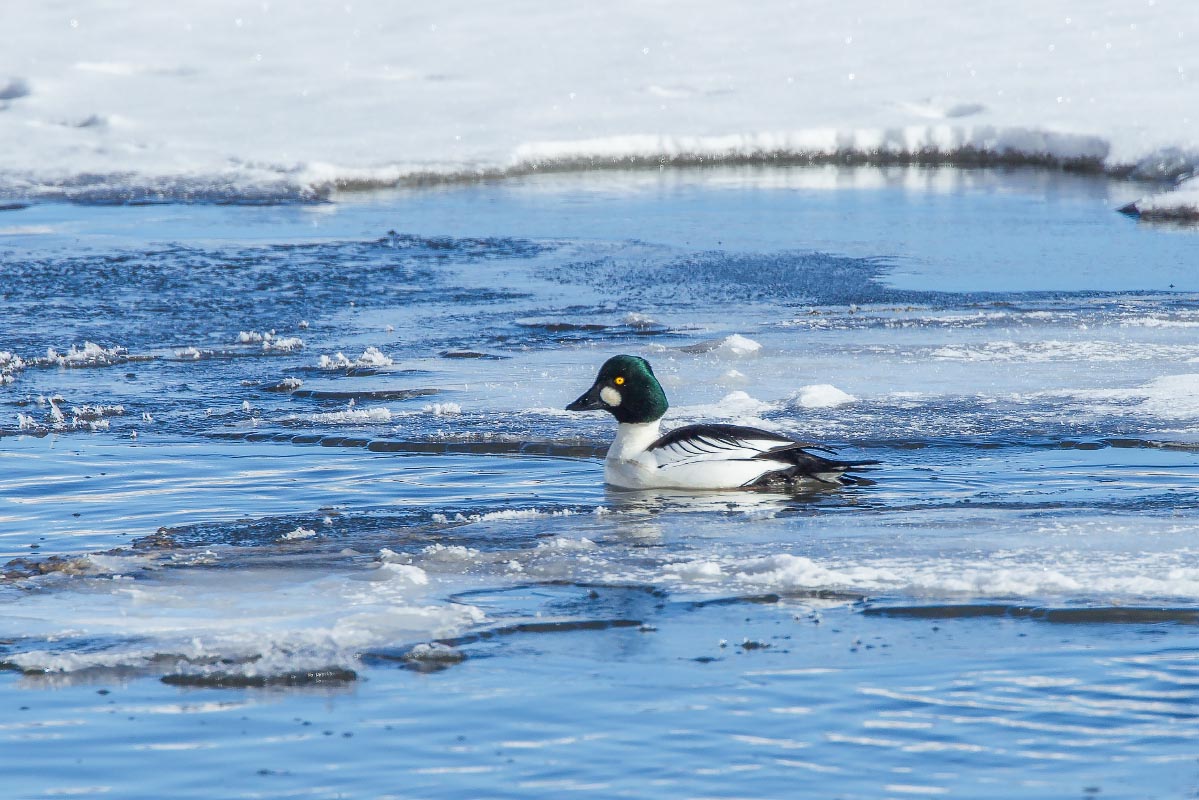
(356, 544)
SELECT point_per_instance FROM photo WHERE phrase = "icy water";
(290, 507)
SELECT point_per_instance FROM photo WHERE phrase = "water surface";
(290, 498)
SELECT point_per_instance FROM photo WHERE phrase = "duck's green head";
(627, 389)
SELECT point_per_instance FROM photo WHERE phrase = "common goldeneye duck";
(705, 456)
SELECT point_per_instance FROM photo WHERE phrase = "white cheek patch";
(610, 396)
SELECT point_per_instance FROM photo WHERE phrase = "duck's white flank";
(694, 463)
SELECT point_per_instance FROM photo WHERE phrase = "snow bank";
(299, 100)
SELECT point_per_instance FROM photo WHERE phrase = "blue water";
(308, 519)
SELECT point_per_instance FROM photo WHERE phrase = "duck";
(707, 456)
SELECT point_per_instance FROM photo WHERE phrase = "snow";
(221, 99)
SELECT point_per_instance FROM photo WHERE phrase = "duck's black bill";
(590, 401)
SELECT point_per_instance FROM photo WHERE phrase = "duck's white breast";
(637, 474)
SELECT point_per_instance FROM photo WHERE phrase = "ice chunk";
(371, 357)
(821, 395)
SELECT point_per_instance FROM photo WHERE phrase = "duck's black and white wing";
(734, 456)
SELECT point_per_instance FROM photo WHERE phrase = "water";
(307, 518)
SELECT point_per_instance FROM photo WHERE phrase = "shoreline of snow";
(219, 101)
(934, 146)
(948, 147)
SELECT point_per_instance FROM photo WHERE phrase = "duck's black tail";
(797, 466)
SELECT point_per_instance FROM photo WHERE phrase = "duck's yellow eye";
(619, 380)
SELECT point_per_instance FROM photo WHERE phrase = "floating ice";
(1168, 397)
(271, 342)
(449, 553)
(509, 514)
(738, 345)
(395, 567)
(1004, 574)
(283, 344)
(244, 624)
(1055, 350)
(695, 570)
(351, 416)
(299, 533)
(90, 355)
(734, 405)
(821, 395)
(10, 365)
(638, 320)
(97, 412)
(442, 409)
(371, 357)
(565, 544)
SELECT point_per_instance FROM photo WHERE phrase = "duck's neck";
(632, 438)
